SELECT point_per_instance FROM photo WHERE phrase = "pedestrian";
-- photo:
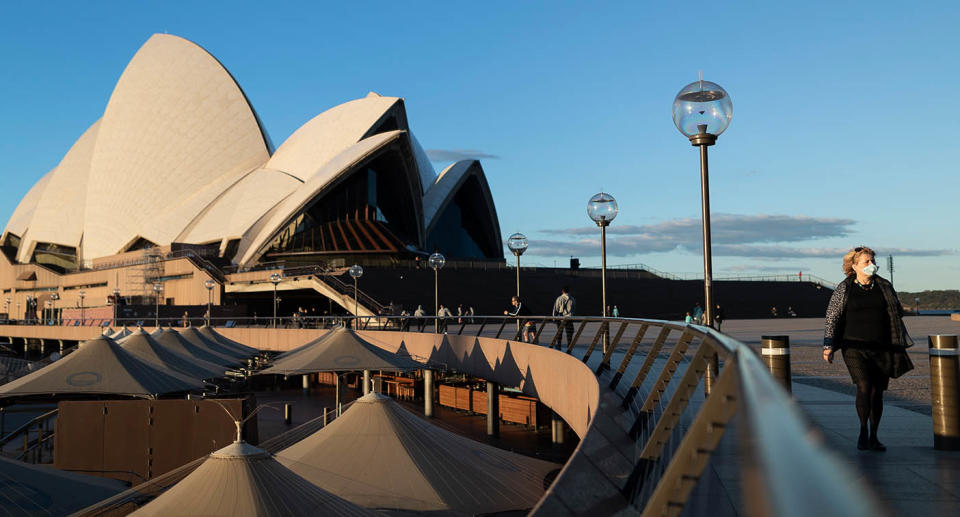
(688, 319)
(697, 314)
(470, 313)
(443, 313)
(518, 310)
(564, 307)
(419, 314)
(460, 312)
(616, 312)
(865, 322)
(186, 319)
(718, 317)
(773, 311)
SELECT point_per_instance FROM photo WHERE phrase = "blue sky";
(842, 133)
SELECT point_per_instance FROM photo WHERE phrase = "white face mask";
(870, 269)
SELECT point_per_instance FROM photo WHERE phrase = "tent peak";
(373, 398)
(240, 449)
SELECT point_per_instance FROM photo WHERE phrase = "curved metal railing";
(678, 387)
(669, 392)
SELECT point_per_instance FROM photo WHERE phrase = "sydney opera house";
(179, 160)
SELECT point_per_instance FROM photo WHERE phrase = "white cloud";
(455, 155)
(753, 236)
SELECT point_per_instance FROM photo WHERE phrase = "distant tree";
(932, 300)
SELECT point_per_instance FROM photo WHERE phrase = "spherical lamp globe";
(702, 107)
(517, 243)
(602, 209)
(436, 261)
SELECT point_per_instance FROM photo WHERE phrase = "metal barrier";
(654, 370)
(652, 436)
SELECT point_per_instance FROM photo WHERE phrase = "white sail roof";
(100, 367)
(430, 469)
(30, 490)
(241, 480)
(338, 350)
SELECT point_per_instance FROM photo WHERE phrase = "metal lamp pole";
(156, 312)
(356, 271)
(702, 111)
(209, 285)
(436, 261)
(116, 300)
(602, 209)
(53, 301)
(275, 278)
(518, 243)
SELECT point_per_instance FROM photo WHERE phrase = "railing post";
(711, 373)
(776, 355)
(945, 391)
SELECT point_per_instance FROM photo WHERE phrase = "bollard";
(776, 354)
(287, 413)
(428, 393)
(493, 409)
(557, 432)
(306, 384)
(366, 382)
(944, 392)
(324, 417)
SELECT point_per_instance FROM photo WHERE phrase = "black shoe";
(863, 443)
(876, 445)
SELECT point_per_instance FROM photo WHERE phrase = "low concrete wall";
(49, 332)
(560, 381)
(271, 340)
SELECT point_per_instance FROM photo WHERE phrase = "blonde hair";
(853, 256)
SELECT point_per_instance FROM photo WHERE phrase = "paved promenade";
(911, 477)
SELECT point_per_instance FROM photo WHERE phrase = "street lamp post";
(209, 285)
(517, 243)
(116, 302)
(53, 302)
(603, 209)
(356, 271)
(436, 261)
(702, 111)
(275, 278)
(83, 314)
(157, 288)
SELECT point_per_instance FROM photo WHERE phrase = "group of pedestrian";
(698, 317)
(464, 314)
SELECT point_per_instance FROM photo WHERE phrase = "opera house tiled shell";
(180, 156)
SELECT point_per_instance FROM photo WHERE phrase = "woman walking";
(865, 322)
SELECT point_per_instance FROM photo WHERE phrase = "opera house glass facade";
(180, 156)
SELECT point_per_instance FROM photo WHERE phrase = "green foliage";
(932, 300)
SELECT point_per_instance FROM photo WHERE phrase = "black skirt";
(876, 365)
(868, 365)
